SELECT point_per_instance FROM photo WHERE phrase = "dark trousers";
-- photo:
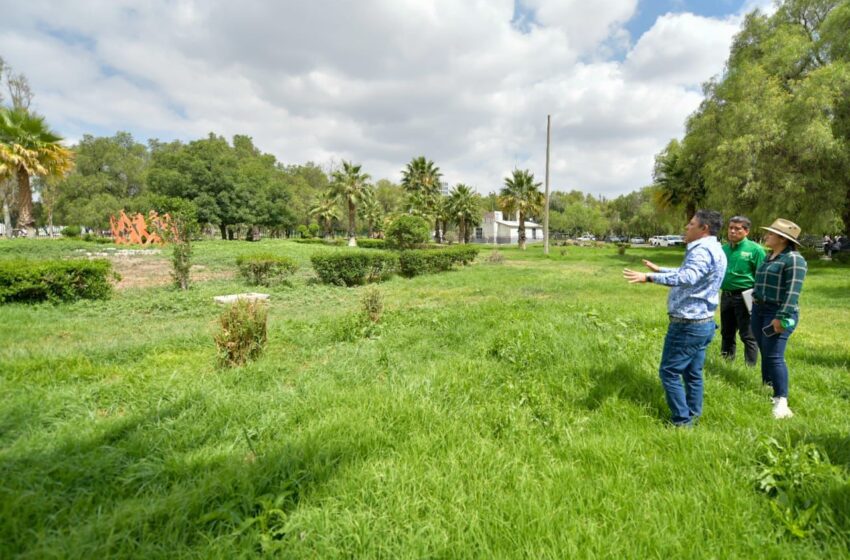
(774, 369)
(734, 320)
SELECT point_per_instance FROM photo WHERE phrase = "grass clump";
(243, 333)
(265, 269)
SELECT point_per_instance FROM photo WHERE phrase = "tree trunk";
(521, 231)
(50, 222)
(25, 220)
(845, 215)
(7, 216)
(462, 231)
(352, 238)
(437, 230)
(223, 229)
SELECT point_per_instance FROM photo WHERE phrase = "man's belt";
(674, 319)
(735, 292)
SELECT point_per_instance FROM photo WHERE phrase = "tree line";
(772, 136)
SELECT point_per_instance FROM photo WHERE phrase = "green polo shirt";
(742, 262)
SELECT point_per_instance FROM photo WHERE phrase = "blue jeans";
(774, 370)
(682, 361)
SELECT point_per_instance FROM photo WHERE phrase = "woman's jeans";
(774, 370)
(681, 369)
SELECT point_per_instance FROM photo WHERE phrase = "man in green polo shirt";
(743, 257)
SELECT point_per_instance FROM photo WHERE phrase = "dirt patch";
(145, 272)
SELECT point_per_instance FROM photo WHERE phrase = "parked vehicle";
(637, 240)
(655, 240)
(586, 237)
(615, 239)
(668, 240)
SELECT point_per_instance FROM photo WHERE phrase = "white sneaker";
(780, 408)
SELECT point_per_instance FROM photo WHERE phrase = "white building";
(496, 229)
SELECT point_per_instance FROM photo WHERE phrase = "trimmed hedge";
(37, 281)
(369, 243)
(354, 267)
(428, 261)
(319, 241)
(265, 269)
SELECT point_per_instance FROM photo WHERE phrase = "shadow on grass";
(837, 447)
(142, 484)
(733, 375)
(837, 359)
(622, 381)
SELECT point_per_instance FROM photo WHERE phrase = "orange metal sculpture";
(138, 230)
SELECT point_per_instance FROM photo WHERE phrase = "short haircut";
(743, 220)
(710, 218)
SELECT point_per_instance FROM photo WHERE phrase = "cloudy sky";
(467, 83)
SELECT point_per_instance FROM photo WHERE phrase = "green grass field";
(501, 410)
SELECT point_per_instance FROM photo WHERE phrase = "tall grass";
(508, 410)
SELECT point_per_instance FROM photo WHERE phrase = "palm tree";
(326, 211)
(29, 147)
(521, 195)
(352, 187)
(421, 179)
(464, 209)
(372, 211)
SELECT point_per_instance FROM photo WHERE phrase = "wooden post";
(546, 208)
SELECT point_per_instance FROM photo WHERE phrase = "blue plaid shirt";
(695, 284)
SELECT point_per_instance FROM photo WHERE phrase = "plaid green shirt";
(779, 280)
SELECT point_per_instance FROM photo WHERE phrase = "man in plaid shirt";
(691, 303)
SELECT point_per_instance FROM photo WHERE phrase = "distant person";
(690, 306)
(743, 257)
(779, 281)
(827, 245)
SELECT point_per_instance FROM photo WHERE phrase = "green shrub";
(304, 231)
(622, 248)
(265, 269)
(369, 243)
(243, 333)
(406, 232)
(71, 232)
(415, 262)
(353, 267)
(70, 280)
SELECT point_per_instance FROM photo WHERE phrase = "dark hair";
(743, 220)
(710, 218)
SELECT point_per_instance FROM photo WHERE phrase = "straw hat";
(785, 228)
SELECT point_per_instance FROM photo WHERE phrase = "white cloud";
(377, 81)
(682, 49)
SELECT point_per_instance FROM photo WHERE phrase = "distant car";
(637, 240)
(655, 240)
(670, 240)
(615, 239)
(586, 238)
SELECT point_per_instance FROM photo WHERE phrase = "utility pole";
(546, 208)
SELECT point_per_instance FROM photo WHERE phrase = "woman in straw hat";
(775, 313)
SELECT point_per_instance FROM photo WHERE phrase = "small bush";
(369, 243)
(495, 257)
(415, 262)
(71, 232)
(304, 231)
(406, 232)
(353, 267)
(622, 247)
(35, 281)
(265, 269)
(243, 333)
